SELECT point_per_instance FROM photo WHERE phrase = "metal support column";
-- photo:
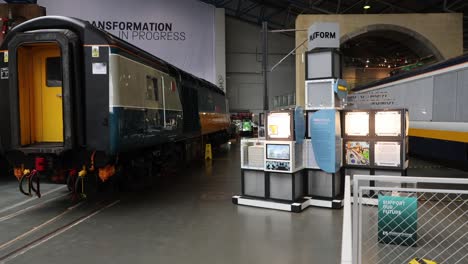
(265, 63)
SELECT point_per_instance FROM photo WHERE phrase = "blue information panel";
(299, 124)
(323, 127)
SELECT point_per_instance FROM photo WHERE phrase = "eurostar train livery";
(437, 99)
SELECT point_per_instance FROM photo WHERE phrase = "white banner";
(180, 32)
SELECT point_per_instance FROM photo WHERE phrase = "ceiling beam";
(396, 6)
(274, 13)
(311, 8)
(249, 8)
(239, 5)
(352, 6)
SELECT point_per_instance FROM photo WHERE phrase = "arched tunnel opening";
(378, 52)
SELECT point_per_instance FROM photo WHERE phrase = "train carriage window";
(152, 88)
(54, 72)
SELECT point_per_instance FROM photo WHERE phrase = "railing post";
(346, 242)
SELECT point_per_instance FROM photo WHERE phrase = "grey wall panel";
(445, 97)
(243, 63)
(246, 92)
(462, 97)
(244, 81)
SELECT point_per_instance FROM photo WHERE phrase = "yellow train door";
(49, 95)
(40, 83)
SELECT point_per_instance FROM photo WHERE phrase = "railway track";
(32, 228)
(31, 199)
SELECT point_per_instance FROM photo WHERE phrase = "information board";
(357, 153)
(279, 126)
(387, 153)
(324, 139)
(357, 123)
(398, 220)
(388, 123)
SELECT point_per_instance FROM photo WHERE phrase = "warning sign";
(4, 73)
(95, 51)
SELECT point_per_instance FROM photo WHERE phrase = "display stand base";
(326, 202)
(295, 207)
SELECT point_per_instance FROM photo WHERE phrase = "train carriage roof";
(462, 59)
(91, 35)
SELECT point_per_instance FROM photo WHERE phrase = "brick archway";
(420, 40)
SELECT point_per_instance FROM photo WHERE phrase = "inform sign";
(324, 35)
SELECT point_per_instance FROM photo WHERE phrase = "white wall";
(244, 66)
(192, 43)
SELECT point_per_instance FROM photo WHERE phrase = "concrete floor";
(189, 218)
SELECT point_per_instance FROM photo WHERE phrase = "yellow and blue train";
(437, 99)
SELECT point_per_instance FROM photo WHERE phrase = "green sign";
(398, 220)
(246, 125)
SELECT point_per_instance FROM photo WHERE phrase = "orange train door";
(40, 91)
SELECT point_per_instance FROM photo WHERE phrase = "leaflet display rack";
(375, 139)
(375, 142)
(279, 182)
(306, 158)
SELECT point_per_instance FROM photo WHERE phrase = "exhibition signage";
(324, 141)
(324, 35)
(279, 125)
(398, 218)
(341, 88)
(299, 124)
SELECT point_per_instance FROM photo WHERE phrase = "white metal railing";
(414, 217)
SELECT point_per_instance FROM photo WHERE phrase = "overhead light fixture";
(367, 61)
(367, 66)
(389, 66)
(366, 6)
(385, 61)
